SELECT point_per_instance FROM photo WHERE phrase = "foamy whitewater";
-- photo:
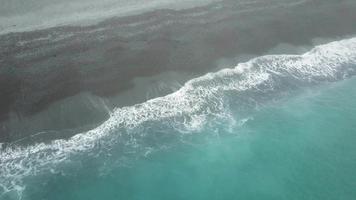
(198, 104)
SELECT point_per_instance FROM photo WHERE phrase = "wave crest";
(187, 109)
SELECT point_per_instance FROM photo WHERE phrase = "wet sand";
(56, 80)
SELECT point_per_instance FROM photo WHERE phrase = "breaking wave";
(185, 111)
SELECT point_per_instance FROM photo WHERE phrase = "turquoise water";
(276, 127)
(300, 148)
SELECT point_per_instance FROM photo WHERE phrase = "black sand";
(41, 68)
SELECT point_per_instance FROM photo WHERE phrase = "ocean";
(190, 99)
(274, 127)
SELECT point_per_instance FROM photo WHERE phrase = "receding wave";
(187, 110)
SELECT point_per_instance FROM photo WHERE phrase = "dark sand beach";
(59, 81)
(177, 100)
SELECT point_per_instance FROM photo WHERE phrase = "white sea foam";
(187, 109)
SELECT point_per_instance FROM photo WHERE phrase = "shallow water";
(275, 127)
(299, 148)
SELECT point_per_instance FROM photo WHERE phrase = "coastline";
(44, 67)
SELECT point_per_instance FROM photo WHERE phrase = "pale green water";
(300, 148)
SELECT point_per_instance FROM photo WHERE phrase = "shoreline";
(48, 66)
(95, 110)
